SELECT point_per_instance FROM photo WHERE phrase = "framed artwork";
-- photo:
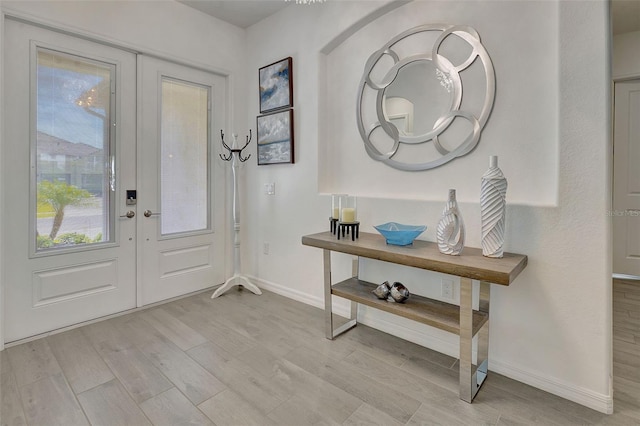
(276, 86)
(275, 138)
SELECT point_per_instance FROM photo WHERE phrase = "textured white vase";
(493, 204)
(450, 230)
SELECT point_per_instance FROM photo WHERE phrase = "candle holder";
(334, 215)
(348, 222)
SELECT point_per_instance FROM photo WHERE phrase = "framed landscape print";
(276, 86)
(275, 138)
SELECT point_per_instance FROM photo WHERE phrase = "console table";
(462, 320)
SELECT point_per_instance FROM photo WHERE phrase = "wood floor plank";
(229, 408)
(520, 410)
(214, 331)
(50, 401)
(172, 328)
(401, 406)
(105, 336)
(188, 376)
(11, 412)
(366, 415)
(542, 399)
(239, 377)
(173, 408)
(447, 378)
(396, 378)
(297, 412)
(628, 410)
(79, 360)
(626, 390)
(335, 404)
(388, 348)
(32, 361)
(453, 411)
(109, 404)
(625, 336)
(136, 373)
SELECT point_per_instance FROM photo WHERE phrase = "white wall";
(163, 28)
(550, 126)
(626, 55)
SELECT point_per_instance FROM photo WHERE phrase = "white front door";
(68, 159)
(182, 180)
(626, 179)
(86, 126)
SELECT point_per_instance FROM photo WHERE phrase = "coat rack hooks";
(229, 155)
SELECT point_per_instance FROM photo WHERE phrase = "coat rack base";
(236, 280)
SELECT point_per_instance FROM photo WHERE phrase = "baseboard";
(588, 398)
(419, 337)
(338, 308)
(599, 402)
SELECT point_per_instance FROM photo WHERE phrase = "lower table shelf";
(435, 313)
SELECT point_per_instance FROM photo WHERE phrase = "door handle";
(149, 213)
(130, 214)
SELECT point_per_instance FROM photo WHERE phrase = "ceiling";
(625, 14)
(242, 13)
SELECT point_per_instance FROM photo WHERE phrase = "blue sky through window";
(60, 115)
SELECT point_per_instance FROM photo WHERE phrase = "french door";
(95, 137)
(181, 184)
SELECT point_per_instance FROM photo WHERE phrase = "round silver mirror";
(419, 96)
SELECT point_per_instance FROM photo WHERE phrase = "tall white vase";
(450, 230)
(493, 204)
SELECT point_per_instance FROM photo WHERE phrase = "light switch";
(270, 188)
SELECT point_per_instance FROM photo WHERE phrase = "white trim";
(419, 337)
(626, 277)
(597, 401)
(2, 191)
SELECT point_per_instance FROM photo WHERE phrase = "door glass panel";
(184, 151)
(74, 105)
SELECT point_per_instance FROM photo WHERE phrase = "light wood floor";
(626, 345)
(243, 359)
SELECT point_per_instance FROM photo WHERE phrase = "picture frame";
(275, 83)
(275, 138)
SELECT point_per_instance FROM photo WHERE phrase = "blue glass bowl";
(398, 234)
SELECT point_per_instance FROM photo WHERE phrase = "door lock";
(130, 214)
(131, 197)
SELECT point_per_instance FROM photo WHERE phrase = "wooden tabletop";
(425, 255)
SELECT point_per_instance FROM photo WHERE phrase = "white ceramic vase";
(450, 230)
(493, 204)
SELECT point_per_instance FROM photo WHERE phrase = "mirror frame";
(449, 76)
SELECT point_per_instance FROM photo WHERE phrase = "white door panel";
(70, 123)
(181, 185)
(626, 179)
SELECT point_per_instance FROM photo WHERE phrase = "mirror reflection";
(417, 98)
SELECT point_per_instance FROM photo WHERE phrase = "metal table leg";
(330, 333)
(472, 376)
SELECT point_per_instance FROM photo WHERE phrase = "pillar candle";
(348, 215)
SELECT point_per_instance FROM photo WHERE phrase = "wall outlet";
(265, 248)
(447, 289)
